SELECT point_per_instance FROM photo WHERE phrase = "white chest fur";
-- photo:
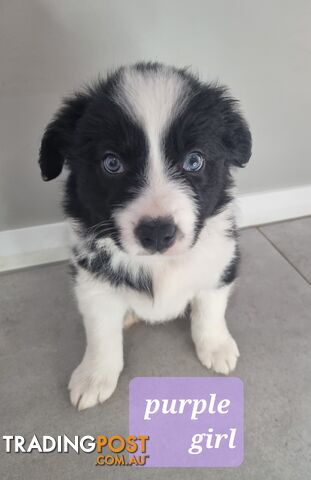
(176, 280)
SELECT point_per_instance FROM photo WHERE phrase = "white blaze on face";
(153, 98)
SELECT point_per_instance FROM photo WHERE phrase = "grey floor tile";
(42, 341)
(293, 239)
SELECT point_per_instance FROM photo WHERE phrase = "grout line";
(282, 255)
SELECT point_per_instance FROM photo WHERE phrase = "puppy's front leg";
(214, 344)
(95, 379)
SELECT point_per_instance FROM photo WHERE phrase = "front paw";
(219, 353)
(91, 384)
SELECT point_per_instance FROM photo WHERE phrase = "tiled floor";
(269, 314)
(293, 240)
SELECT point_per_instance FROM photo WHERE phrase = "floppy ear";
(57, 138)
(237, 139)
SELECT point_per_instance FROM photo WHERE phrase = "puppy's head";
(149, 152)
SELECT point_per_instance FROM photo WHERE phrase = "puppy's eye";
(194, 161)
(112, 164)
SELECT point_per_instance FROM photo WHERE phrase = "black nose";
(156, 234)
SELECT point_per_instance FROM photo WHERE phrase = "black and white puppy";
(150, 201)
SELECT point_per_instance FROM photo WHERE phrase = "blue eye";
(112, 164)
(194, 161)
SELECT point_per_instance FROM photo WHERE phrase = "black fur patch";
(231, 271)
(98, 263)
(209, 124)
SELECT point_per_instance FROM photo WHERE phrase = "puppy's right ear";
(58, 135)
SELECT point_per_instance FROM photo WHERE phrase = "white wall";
(261, 49)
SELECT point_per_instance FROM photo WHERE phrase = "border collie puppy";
(150, 201)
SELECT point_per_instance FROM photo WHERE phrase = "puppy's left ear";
(58, 136)
(237, 139)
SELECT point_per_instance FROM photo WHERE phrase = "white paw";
(220, 354)
(91, 385)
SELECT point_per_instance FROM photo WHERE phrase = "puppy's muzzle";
(156, 234)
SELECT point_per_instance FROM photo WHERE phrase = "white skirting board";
(42, 244)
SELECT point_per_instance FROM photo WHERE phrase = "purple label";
(190, 421)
